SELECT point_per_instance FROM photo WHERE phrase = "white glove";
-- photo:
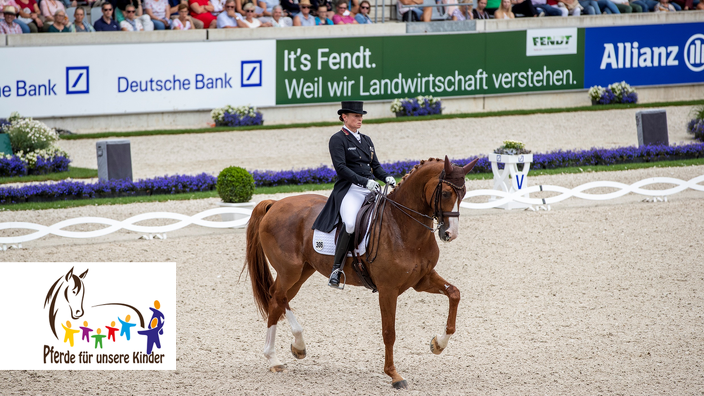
(391, 181)
(372, 185)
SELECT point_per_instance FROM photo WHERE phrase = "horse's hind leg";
(434, 283)
(298, 347)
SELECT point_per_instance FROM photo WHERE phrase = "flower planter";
(236, 216)
(400, 114)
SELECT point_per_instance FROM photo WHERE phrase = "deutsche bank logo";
(694, 53)
(77, 80)
(251, 74)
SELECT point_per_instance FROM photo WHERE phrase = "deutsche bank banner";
(645, 55)
(136, 78)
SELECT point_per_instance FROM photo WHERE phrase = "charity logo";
(100, 327)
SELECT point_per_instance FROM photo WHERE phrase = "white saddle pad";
(324, 243)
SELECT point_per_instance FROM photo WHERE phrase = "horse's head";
(445, 195)
(73, 292)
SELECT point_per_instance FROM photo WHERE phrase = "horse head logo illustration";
(70, 289)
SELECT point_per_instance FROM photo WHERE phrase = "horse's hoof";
(278, 369)
(298, 353)
(434, 347)
(403, 384)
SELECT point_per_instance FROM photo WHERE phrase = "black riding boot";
(341, 249)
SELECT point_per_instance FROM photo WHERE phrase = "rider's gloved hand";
(372, 185)
(390, 181)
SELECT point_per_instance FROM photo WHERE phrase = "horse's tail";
(256, 263)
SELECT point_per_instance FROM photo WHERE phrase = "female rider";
(356, 164)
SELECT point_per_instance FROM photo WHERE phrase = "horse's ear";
(469, 166)
(69, 275)
(448, 166)
(83, 275)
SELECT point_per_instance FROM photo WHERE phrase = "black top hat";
(352, 106)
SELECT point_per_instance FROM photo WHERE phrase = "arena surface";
(588, 298)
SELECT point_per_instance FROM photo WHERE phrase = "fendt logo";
(547, 41)
(694, 53)
(631, 55)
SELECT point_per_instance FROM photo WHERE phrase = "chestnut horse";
(280, 231)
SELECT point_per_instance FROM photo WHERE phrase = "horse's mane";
(415, 168)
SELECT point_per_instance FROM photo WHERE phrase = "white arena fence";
(520, 196)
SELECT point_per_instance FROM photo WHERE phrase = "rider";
(356, 165)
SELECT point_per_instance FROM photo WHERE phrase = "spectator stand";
(441, 11)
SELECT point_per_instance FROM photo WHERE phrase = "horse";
(72, 289)
(279, 233)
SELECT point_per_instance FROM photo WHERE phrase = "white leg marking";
(297, 331)
(270, 347)
(443, 339)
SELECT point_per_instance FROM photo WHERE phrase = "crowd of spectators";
(33, 16)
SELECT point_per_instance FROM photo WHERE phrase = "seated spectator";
(624, 6)
(200, 10)
(545, 8)
(463, 13)
(304, 18)
(416, 13)
(570, 7)
(363, 17)
(158, 11)
(131, 24)
(249, 21)
(172, 9)
(49, 8)
(267, 7)
(106, 23)
(665, 6)
(525, 8)
(278, 19)
(139, 15)
(79, 25)
(322, 17)
(218, 7)
(590, 7)
(341, 17)
(504, 11)
(607, 7)
(240, 7)
(8, 25)
(685, 5)
(29, 13)
(228, 18)
(60, 24)
(480, 11)
(23, 26)
(183, 22)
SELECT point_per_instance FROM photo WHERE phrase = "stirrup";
(338, 284)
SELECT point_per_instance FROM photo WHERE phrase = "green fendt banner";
(372, 68)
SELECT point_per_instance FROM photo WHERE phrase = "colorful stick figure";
(98, 339)
(86, 332)
(111, 330)
(153, 334)
(126, 326)
(156, 314)
(69, 332)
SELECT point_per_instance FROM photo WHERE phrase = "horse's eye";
(445, 194)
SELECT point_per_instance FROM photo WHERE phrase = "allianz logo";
(632, 55)
(547, 41)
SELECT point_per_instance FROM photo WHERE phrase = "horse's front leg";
(387, 305)
(434, 283)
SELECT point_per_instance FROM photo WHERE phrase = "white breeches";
(351, 204)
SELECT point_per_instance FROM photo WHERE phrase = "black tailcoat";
(355, 163)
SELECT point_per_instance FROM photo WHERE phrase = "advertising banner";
(136, 78)
(89, 316)
(644, 55)
(372, 68)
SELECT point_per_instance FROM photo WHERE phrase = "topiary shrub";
(235, 185)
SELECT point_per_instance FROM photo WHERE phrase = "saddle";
(369, 218)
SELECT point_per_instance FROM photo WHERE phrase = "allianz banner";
(373, 68)
(644, 55)
(136, 78)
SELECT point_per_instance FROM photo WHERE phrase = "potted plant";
(696, 124)
(235, 186)
(416, 107)
(614, 93)
(237, 116)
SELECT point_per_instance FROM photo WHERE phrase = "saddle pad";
(324, 243)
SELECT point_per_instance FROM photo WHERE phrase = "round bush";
(235, 185)
(28, 135)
